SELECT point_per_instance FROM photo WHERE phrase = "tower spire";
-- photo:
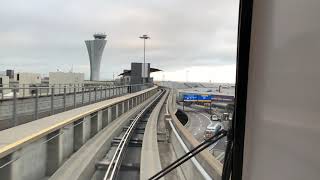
(95, 50)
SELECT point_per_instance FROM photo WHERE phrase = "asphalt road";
(198, 122)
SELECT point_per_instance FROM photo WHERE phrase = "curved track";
(118, 153)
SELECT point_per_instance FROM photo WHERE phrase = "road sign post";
(183, 105)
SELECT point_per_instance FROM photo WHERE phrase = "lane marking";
(205, 116)
(186, 149)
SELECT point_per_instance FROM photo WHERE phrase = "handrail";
(6, 150)
(54, 100)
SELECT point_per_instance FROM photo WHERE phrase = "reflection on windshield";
(115, 90)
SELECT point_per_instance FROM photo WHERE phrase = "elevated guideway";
(37, 149)
(81, 143)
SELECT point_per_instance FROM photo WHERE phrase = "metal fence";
(21, 105)
(27, 90)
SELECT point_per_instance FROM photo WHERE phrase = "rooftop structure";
(99, 36)
(138, 74)
(70, 78)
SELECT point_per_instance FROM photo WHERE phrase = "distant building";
(27, 80)
(139, 74)
(95, 50)
(10, 73)
(66, 78)
(4, 83)
(126, 78)
(4, 80)
(70, 80)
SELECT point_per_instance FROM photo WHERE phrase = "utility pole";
(144, 37)
(187, 75)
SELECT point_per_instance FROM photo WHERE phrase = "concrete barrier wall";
(150, 157)
(188, 168)
(82, 164)
(37, 149)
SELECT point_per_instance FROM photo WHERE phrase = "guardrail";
(48, 142)
(32, 90)
(19, 109)
(205, 163)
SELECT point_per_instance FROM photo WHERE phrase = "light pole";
(187, 75)
(144, 37)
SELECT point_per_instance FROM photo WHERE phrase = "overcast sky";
(194, 40)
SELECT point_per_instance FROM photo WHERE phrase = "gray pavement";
(197, 124)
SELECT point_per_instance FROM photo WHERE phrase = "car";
(225, 116)
(212, 129)
(214, 117)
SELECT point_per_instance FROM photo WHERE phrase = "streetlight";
(144, 37)
(187, 75)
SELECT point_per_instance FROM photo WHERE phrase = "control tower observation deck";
(95, 50)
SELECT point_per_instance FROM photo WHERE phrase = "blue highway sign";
(190, 97)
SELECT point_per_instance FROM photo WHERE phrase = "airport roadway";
(197, 124)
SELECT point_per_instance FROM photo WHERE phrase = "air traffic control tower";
(95, 49)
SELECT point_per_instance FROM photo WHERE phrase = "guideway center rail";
(115, 163)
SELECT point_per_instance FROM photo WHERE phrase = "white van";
(212, 129)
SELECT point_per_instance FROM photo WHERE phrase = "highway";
(197, 124)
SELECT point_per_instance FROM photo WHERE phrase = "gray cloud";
(42, 35)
